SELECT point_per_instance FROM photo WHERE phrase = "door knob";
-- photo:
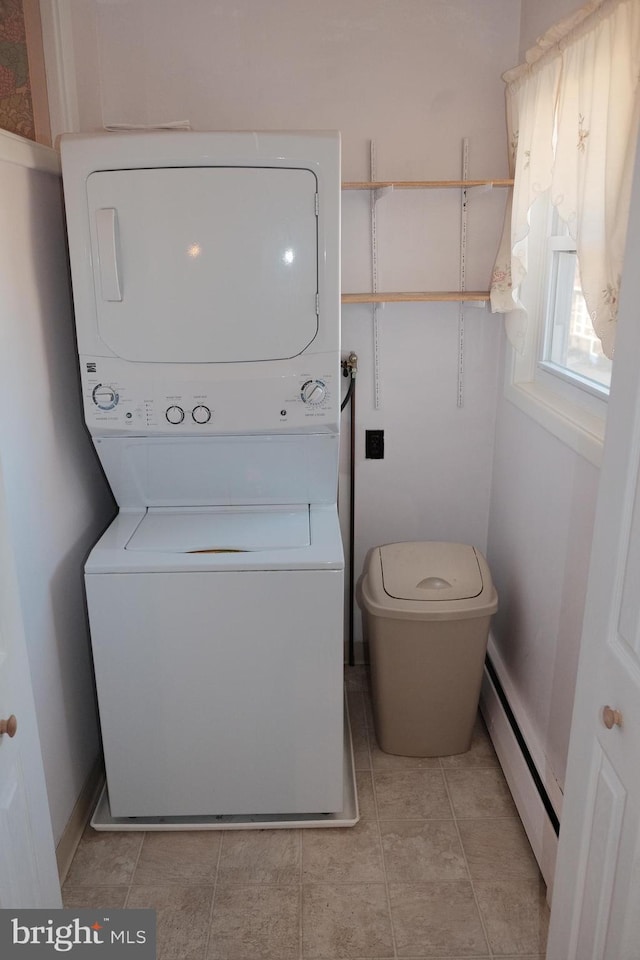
(9, 726)
(611, 718)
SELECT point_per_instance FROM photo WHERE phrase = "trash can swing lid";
(430, 571)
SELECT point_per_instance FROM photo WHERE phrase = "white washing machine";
(205, 270)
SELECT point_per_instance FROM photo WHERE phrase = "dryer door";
(214, 264)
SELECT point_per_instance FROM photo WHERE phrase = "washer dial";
(313, 391)
(104, 397)
(201, 414)
(175, 414)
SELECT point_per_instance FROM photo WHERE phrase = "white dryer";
(205, 270)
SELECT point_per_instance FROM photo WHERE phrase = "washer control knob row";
(313, 391)
(200, 414)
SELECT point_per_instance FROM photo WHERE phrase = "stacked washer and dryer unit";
(205, 271)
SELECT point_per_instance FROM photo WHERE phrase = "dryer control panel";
(117, 404)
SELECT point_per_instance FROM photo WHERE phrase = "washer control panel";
(154, 404)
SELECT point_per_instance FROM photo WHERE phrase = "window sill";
(574, 426)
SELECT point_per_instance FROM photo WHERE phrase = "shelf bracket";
(481, 304)
(381, 192)
(476, 191)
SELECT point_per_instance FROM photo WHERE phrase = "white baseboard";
(79, 818)
(531, 809)
(530, 733)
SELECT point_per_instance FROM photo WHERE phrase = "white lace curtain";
(572, 116)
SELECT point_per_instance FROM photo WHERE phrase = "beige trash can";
(426, 610)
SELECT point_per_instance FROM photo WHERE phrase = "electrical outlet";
(374, 444)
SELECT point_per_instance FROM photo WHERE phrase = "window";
(561, 378)
(569, 347)
(572, 124)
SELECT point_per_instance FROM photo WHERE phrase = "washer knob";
(201, 414)
(313, 391)
(175, 414)
(104, 397)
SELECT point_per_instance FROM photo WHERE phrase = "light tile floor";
(438, 866)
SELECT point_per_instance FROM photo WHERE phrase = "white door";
(28, 870)
(596, 901)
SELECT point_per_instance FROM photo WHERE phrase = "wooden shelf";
(426, 296)
(422, 184)
(416, 297)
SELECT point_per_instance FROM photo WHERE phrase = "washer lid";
(222, 529)
(430, 571)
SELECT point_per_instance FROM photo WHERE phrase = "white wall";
(538, 15)
(540, 528)
(57, 499)
(541, 523)
(415, 77)
(411, 74)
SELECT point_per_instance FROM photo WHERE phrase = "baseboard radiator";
(538, 802)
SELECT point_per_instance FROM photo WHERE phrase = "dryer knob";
(201, 414)
(175, 414)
